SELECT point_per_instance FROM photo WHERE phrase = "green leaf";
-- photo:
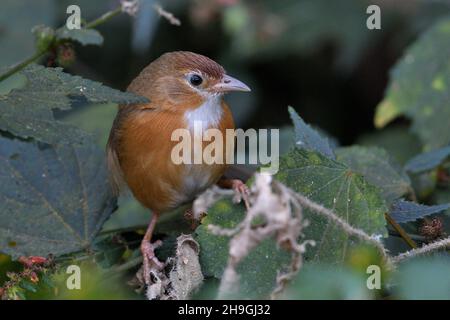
(423, 278)
(257, 271)
(83, 36)
(405, 211)
(308, 138)
(324, 282)
(52, 199)
(428, 160)
(338, 188)
(28, 112)
(419, 88)
(378, 168)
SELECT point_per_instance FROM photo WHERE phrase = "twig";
(167, 15)
(441, 244)
(22, 65)
(400, 230)
(103, 18)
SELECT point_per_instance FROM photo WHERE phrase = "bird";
(182, 87)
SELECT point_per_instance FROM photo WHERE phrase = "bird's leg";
(150, 261)
(238, 186)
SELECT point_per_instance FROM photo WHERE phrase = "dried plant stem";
(167, 15)
(350, 230)
(441, 244)
(400, 231)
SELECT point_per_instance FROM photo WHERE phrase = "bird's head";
(184, 79)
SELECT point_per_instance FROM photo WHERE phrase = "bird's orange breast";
(145, 151)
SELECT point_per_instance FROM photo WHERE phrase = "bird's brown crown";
(185, 60)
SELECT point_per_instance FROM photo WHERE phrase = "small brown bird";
(183, 88)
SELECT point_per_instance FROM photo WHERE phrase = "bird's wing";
(115, 171)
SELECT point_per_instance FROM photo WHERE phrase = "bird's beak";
(228, 84)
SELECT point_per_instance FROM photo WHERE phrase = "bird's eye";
(195, 80)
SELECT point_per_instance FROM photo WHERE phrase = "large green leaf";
(340, 189)
(378, 168)
(419, 87)
(52, 199)
(308, 138)
(257, 271)
(28, 112)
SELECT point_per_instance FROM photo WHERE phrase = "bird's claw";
(241, 191)
(240, 187)
(150, 261)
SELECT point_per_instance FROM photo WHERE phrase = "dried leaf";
(186, 276)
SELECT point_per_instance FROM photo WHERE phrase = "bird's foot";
(241, 191)
(150, 261)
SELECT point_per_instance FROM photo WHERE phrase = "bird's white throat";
(208, 114)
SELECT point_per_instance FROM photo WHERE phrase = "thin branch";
(21, 65)
(167, 15)
(400, 230)
(103, 18)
